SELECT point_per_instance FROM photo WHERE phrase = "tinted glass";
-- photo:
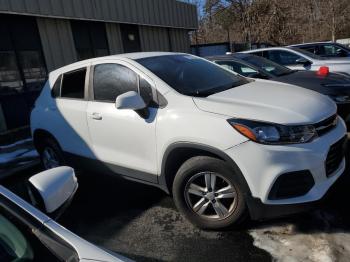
(73, 84)
(112, 80)
(283, 57)
(310, 48)
(90, 39)
(332, 50)
(267, 65)
(18, 243)
(238, 68)
(130, 37)
(190, 75)
(33, 68)
(22, 65)
(306, 53)
(10, 78)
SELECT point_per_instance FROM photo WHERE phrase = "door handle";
(96, 116)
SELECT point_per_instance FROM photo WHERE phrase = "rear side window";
(73, 84)
(112, 80)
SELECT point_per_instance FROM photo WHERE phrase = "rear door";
(70, 126)
(123, 140)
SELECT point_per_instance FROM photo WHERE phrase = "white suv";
(222, 144)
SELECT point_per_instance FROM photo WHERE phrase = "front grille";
(335, 156)
(326, 125)
(292, 184)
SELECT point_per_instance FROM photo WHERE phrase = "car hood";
(333, 83)
(269, 101)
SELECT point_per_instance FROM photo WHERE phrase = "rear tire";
(208, 193)
(51, 155)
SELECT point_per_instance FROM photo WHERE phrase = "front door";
(123, 141)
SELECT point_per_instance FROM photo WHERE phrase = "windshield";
(190, 75)
(267, 65)
(307, 53)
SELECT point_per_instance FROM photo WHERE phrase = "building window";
(22, 66)
(90, 39)
(130, 37)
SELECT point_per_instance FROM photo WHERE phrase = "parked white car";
(222, 144)
(299, 59)
(27, 234)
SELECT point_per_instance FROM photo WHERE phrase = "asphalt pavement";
(142, 223)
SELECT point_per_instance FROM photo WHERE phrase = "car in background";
(27, 234)
(336, 86)
(325, 49)
(299, 59)
(223, 145)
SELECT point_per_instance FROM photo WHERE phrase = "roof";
(311, 43)
(266, 49)
(133, 56)
(228, 57)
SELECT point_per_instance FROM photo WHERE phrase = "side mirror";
(52, 190)
(303, 61)
(130, 100)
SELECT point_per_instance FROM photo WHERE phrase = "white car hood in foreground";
(270, 101)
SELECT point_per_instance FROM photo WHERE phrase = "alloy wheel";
(211, 196)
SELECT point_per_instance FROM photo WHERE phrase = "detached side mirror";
(130, 100)
(53, 190)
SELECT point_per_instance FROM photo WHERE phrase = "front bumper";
(261, 165)
(260, 211)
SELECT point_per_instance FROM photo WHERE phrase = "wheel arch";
(39, 135)
(176, 154)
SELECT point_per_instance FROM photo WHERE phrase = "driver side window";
(112, 80)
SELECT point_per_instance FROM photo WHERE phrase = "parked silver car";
(299, 59)
(325, 49)
(27, 234)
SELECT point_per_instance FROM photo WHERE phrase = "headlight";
(269, 133)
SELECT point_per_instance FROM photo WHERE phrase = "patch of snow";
(287, 244)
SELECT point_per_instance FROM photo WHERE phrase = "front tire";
(51, 155)
(206, 190)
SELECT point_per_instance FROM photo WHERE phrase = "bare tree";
(274, 21)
